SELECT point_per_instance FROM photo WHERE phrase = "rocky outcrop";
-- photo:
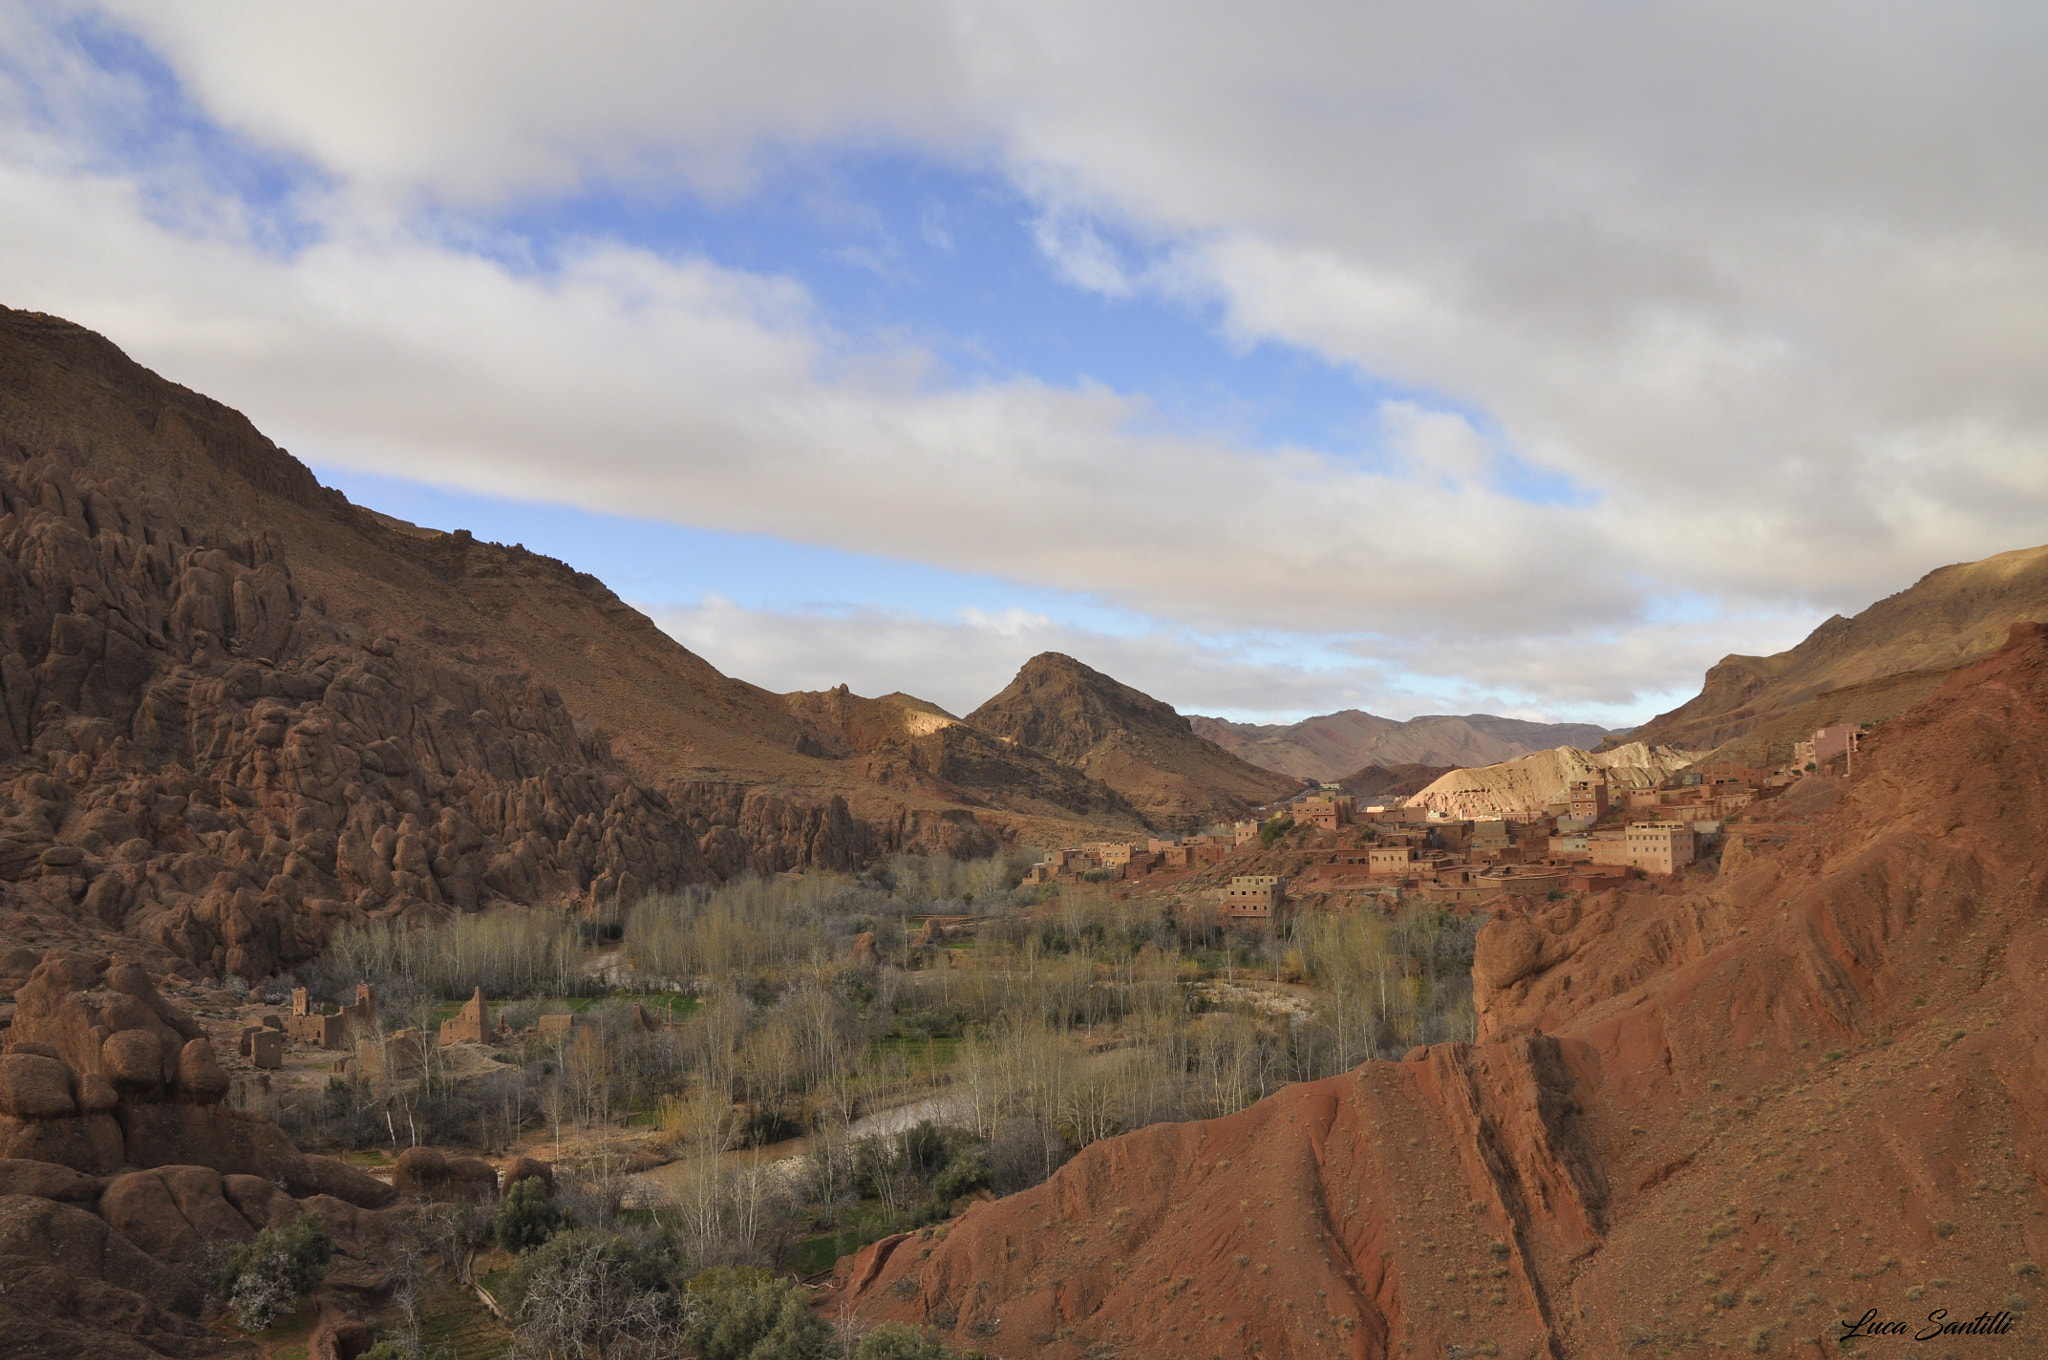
(1530, 783)
(431, 1174)
(102, 1073)
(1712, 1117)
(906, 744)
(122, 1174)
(1127, 741)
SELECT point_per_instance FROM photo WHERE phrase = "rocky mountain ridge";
(1143, 749)
(1864, 669)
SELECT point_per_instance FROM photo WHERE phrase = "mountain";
(237, 711)
(1377, 782)
(1717, 1116)
(1331, 746)
(1865, 669)
(1529, 783)
(1129, 741)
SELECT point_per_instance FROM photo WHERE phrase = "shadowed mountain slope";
(1716, 1115)
(1866, 669)
(1129, 741)
(1335, 744)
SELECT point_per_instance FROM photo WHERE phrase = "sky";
(1277, 359)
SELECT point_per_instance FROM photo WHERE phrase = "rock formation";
(1714, 1117)
(122, 1172)
(1128, 741)
(1529, 783)
(1332, 745)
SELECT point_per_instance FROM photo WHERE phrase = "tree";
(525, 1217)
(266, 1276)
(738, 1313)
(586, 1294)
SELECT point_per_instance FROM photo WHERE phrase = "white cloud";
(1770, 283)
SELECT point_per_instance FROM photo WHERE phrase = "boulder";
(175, 1213)
(35, 1087)
(429, 1173)
(529, 1168)
(46, 1180)
(67, 1236)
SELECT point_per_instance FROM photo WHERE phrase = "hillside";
(1333, 745)
(1712, 1117)
(1528, 783)
(1865, 669)
(1377, 782)
(240, 710)
(1131, 742)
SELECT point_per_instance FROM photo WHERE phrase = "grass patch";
(456, 1324)
(815, 1255)
(924, 1055)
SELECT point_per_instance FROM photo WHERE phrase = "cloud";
(1769, 286)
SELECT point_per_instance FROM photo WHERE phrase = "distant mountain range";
(1336, 746)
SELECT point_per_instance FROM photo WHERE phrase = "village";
(1388, 854)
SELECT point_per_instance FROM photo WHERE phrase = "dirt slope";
(1528, 783)
(1717, 1116)
(1331, 746)
(1129, 741)
(1866, 669)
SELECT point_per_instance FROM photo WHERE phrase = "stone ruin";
(338, 1031)
(470, 1025)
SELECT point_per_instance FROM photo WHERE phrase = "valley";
(406, 944)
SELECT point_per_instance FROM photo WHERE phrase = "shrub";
(265, 1276)
(901, 1341)
(526, 1216)
(738, 1313)
(583, 1292)
(968, 1171)
(1273, 828)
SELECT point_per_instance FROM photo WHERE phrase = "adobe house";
(1589, 799)
(1253, 897)
(1390, 859)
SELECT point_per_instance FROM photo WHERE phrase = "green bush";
(526, 1216)
(1273, 828)
(265, 1276)
(901, 1341)
(967, 1171)
(739, 1313)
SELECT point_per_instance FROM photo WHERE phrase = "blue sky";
(1275, 364)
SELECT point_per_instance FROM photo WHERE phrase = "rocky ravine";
(1721, 1115)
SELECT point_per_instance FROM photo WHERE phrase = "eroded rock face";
(195, 753)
